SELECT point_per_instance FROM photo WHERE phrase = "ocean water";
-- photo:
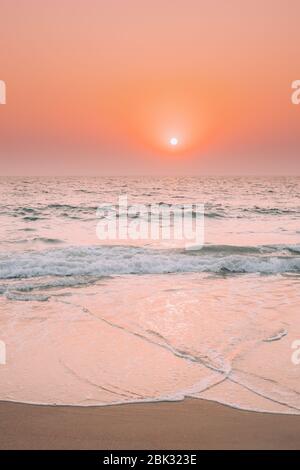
(98, 322)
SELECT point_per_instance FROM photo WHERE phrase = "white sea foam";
(109, 261)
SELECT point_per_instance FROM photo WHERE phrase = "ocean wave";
(121, 260)
(19, 296)
(52, 241)
(81, 210)
(272, 210)
(41, 289)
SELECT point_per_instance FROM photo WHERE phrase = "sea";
(91, 321)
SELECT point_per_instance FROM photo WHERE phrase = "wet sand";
(191, 424)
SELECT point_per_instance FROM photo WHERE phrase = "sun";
(174, 141)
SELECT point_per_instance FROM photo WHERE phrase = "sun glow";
(170, 125)
(174, 141)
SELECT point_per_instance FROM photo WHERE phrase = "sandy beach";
(191, 424)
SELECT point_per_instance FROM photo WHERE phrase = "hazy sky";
(102, 86)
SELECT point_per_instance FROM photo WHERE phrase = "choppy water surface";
(100, 322)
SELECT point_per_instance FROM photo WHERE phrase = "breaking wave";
(118, 260)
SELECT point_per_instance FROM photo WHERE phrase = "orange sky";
(101, 86)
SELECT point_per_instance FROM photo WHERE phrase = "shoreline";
(150, 402)
(188, 424)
